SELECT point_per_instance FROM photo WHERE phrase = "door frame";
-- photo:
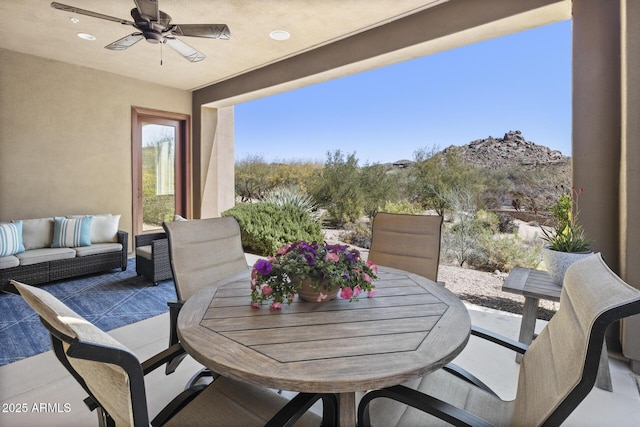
(183, 167)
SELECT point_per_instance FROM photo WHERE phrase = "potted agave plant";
(566, 240)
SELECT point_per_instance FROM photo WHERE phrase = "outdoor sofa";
(42, 250)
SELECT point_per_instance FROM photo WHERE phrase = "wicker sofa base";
(36, 274)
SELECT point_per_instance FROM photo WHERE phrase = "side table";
(535, 285)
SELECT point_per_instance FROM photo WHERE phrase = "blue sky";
(518, 82)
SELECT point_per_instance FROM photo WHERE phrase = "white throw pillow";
(104, 228)
(37, 233)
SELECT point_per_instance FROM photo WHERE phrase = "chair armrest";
(292, 411)
(429, 404)
(161, 358)
(148, 238)
(488, 335)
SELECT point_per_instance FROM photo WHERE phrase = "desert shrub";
(460, 240)
(506, 223)
(400, 208)
(293, 196)
(337, 187)
(266, 226)
(358, 234)
(503, 252)
(488, 220)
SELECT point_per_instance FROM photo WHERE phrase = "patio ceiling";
(33, 27)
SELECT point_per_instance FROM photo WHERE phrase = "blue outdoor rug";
(108, 300)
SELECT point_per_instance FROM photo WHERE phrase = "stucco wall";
(65, 137)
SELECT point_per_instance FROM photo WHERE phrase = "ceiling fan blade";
(189, 53)
(73, 9)
(212, 31)
(148, 8)
(125, 42)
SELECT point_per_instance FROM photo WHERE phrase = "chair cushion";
(446, 387)
(11, 238)
(145, 252)
(98, 248)
(233, 403)
(37, 233)
(107, 382)
(36, 256)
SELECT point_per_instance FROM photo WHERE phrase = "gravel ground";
(485, 289)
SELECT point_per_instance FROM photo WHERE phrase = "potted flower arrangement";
(567, 241)
(314, 271)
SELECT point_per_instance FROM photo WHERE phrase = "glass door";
(158, 175)
(160, 150)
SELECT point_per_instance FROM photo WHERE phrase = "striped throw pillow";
(11, 238)
(71, 232)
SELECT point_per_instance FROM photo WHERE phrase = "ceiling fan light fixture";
(86, 36)
(279, 35)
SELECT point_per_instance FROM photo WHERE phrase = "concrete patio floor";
(51, 397)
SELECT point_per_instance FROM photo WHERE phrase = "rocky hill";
(511, 150)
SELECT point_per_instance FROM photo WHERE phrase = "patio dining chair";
(557, 370)
(407, 242)
(113, 377)
(201, 252)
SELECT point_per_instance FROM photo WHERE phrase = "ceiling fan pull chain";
(161, 54)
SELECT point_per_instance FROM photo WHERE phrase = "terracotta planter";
(307, 293)
(558, 262)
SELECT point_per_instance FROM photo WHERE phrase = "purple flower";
(263, 266)
(310, 259)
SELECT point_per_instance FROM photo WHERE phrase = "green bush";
(266, 226)
(400, 208)
(503, 252)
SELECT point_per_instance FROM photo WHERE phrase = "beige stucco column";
(606, 138)
(630, 168)
(215, 150)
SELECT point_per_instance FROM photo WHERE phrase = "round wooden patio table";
(412, 327)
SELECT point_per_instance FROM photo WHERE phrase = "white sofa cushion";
(37, 233)
(9, 261)
(11, 238)
(71, 232)
(104, 228)
(45, 254)
(98, 248)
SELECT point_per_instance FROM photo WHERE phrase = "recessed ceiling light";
(74, 20)
(85, 36)
(279, 35)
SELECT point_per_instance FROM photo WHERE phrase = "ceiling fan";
(155, 27)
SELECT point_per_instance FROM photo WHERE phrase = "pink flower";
(275, 306)
(255, 305)
(284, 249)
(366, 277)
(331, 257)
(254, 274)
(267, 290)
(372, 293)
(357, 290)
(321, 296)
(346, 293)
(373, 266)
